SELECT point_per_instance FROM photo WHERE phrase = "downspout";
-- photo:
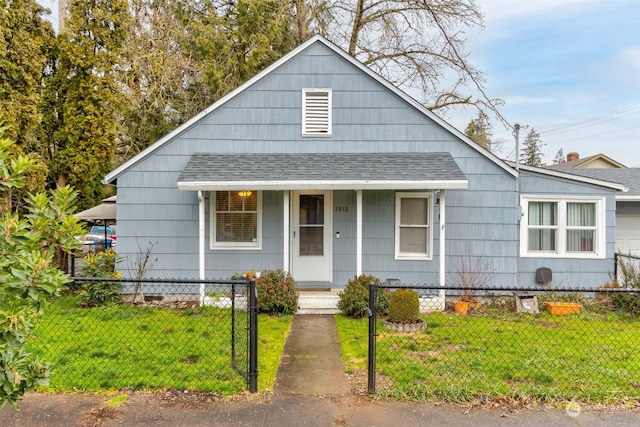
(358, 232)
(201, 241)
(519, 215)
(443, 256)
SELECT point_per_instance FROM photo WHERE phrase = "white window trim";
(600, 244)
(414, 256)
(213, 245)
(329, 131)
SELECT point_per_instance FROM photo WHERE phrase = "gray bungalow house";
(320, 167)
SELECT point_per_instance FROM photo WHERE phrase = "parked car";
(98, 231)
(95, 240)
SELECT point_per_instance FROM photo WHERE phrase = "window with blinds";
(236, 218)
(316, 112)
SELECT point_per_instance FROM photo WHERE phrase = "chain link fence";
(626, 268)
(525, 343)
(180, 334)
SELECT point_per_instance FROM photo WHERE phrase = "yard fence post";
(371, 386)
(253, 337)
(233, 323)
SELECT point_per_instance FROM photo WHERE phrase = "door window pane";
(311, 209)
(311, 241)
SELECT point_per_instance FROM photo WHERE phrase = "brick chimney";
(573, 156)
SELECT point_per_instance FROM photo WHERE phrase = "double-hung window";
(236, 219)
(563, 227)
(414, 226)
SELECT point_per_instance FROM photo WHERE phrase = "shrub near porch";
(526, 357)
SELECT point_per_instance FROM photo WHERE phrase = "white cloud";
(631, 56)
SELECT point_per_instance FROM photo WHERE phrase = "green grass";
(526, 357)
(127, 347)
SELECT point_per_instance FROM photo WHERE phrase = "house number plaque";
(341, 209)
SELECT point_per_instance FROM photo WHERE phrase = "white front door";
(311, 236)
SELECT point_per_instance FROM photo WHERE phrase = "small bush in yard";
(404, 306)
(101, 265)
(626, 302)
(354, 300)
(277, 292)
(630, 279)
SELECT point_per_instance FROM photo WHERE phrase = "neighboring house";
(627, 205)
(320, 167)
(597, 161)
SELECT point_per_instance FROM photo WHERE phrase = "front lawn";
(123, 346)
(526, 357)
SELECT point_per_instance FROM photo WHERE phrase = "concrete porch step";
(318, 302)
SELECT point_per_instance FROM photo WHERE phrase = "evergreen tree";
(559, 158)
(88, 100)
(531, 153)
(26, 38)
(479, 130)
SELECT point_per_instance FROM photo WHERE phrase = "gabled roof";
(113, 175)
(629, 177)
(353, 171)
(578, 175)
(588, 162)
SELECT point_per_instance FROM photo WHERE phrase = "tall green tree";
(531, 153)
(479, 130)
(26, 39)
(88, 98)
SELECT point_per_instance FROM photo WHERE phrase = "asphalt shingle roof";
(335, 167)
(629, 177)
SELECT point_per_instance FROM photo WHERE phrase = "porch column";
(442, 257)
(285, 231)
(201, 240)
(358, 232)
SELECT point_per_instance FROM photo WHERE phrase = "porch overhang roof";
(335, 171)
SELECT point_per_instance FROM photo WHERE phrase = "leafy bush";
(404, 306)
(626, 302)
(36, 233)
(101, 265)
(628, 278)
(277, 292)
(354, 300)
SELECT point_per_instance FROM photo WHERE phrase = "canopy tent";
(103, 212)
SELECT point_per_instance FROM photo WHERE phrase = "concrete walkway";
(311, 390)
(312, 360)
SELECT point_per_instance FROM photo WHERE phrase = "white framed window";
(316, 112)
(236, 219)
(568, 227)
(414, 226)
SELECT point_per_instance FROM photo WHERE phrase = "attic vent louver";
(316, 112)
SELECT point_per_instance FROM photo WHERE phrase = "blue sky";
(570, 69)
